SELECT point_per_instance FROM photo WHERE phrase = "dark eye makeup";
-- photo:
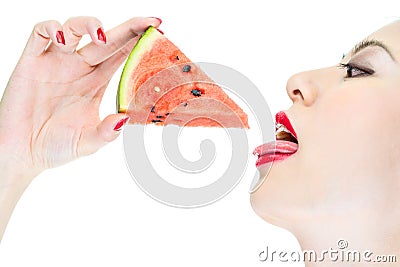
(355, 71)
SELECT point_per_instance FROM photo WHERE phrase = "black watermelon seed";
(153, 109)
(185, 104)
(155, 121)
(177, 57)
(166, 114)
(159, 117)
(186, 68)
(196, 92)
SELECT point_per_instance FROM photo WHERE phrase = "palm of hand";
(59, 103)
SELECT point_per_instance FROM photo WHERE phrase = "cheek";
(368, 115)
(355, 129)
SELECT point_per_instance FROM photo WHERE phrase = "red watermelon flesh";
(160, 85)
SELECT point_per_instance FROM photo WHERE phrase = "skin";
(49, 113)
(344, 180)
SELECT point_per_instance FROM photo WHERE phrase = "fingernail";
(101, 36)
(60, 37)
(121, 123)
(160, 20)
(160, 31)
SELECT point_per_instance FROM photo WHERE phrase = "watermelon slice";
(160, 85)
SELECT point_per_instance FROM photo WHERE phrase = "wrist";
(14, 179)
(15, 173)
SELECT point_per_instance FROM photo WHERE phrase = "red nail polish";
(60, 37)
(121, 123)
(101, 36)
(160, 31)
(160, 20)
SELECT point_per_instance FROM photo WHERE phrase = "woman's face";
(347, 121)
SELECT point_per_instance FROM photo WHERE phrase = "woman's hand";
(49, 114)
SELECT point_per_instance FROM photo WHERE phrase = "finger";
(117, 38)
(75, 28)
(41, 35)
(111, 65)
(106, 131)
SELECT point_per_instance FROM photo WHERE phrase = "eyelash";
(361, 72)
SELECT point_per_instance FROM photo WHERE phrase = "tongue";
(279, 146)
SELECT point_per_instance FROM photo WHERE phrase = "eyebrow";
(368, 43)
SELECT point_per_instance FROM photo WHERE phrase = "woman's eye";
(353, 71)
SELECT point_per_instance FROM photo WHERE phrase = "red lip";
(279, 149)
(282, 118)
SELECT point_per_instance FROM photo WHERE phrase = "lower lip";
(271, 158)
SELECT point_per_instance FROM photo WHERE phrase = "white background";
(91, 213)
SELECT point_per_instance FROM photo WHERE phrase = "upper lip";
(284, 128)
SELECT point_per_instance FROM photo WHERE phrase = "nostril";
(297, 93)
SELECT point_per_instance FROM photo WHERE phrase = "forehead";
(390, 36)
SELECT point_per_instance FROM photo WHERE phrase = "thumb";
(105, 132)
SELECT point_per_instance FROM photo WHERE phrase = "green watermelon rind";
(143, 45)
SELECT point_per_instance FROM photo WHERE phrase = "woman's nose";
(303, 88)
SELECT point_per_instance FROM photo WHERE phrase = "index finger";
(117, 38)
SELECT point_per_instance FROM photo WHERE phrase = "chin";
(278, 200)
(268, 213)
